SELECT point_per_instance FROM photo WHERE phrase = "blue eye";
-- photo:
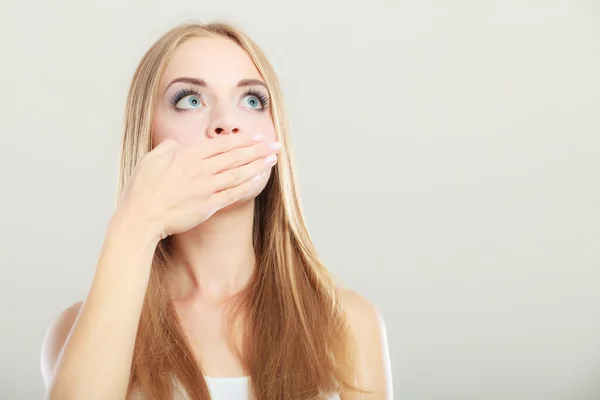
(189, 102)
(253, 102)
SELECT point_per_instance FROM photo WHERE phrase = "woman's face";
(210, 88)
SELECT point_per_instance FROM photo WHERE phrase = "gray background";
(448, 156)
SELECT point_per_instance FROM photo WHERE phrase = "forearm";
(95, 362)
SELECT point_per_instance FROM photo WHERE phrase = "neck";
(216, 259)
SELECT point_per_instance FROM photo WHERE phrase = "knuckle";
(231, 196)
(235, 176)
(179, 155)
(201, 169)
(178, 162)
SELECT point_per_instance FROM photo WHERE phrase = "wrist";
(130, 226)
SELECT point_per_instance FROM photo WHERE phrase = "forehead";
(218, 61)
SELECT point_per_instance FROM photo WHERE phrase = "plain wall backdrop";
(448, 157)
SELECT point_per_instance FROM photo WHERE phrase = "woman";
(207, 283)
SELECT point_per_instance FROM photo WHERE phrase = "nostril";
(219, 131)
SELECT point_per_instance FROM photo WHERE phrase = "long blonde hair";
(296, 338)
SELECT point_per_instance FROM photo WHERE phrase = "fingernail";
(275, 146)
(271, 159)
(258, 137)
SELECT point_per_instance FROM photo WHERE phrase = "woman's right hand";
(177, 187)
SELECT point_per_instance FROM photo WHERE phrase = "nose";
(223, 124)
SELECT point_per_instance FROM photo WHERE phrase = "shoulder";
(55, 338)
(366, 322)
(359, 308)
(369, 331)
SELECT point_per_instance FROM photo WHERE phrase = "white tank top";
(220, 389)
(234, 388)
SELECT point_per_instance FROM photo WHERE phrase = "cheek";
(264, 126)
(182, 130)
(252, 122)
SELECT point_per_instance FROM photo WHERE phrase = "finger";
(239, 157)
(221, 144)
(236, 177)
(229, 196)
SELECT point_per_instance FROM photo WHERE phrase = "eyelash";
(260, 95)
(182, 93)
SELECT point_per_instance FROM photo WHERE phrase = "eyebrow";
(202, 83)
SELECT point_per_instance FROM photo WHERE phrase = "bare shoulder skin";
(54, 340)
(368, 328)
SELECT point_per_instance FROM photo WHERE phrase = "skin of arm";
(88, 350)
